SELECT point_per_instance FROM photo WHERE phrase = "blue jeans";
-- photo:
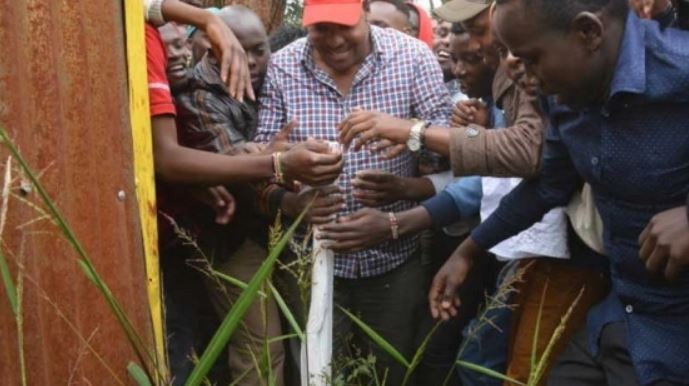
(486, 344)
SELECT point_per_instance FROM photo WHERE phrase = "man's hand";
(372, 126)
(648, 9)
(311, 163)
(281, 141)
(234, 67)
(442, 296)
(363, 229)
(220, 200)
(469, 111)
(665, 243)
(374, 188)
(326, 203)
(389, 149)
(248, 148)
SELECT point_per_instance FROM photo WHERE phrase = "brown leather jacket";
(511, 152)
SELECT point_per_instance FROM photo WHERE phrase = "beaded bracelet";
(394, 226)
(277, 169)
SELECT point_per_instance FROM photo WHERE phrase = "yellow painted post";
(143, 164)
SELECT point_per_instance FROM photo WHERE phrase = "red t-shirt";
(161, 103)
(159, 95)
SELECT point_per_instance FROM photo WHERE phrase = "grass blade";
(276, 295)
(537, 330)
(418, 355)
(540, 370)
(135, 340)
(382, 343)
(238, 310)
(10, 289)
(489, 372)
(138, 374)
(287, 312)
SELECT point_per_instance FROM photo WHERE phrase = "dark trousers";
(190, 320)
(438, 363)
(486, 343)
(611, 367)
(389, 304)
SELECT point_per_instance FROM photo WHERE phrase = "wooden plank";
(143, 163)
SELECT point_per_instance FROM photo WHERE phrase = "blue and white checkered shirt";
(400, 77)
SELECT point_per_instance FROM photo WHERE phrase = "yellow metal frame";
(139, 114)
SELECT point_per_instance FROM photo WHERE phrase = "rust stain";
(63, 97)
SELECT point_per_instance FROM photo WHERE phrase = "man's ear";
(589, 29)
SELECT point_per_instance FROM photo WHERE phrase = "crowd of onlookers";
(512, 182)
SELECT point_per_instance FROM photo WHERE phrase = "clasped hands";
(360, 230)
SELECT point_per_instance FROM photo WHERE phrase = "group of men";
(556, 124)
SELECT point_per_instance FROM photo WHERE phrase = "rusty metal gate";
(65, 95)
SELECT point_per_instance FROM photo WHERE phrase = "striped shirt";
(400, 77)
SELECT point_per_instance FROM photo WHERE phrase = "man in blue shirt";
(621, 124)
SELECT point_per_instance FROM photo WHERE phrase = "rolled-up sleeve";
(514, 151)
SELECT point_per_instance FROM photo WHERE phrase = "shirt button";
(472, 132)
(594, 161)
(629, 309)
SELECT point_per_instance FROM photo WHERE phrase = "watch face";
(414, 144)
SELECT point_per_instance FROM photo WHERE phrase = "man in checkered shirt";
(344, 64)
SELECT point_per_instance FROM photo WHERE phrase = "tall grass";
(144, 355)
(239, 308)
(148, 370)
(14, 293)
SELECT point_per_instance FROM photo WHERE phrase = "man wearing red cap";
(343, 65)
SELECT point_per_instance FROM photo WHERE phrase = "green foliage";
(489, 372)
(239, 308)
(138, 374)
(145, 356)
(360, 367)
(10, 289)
(378, 340)
(294, 11)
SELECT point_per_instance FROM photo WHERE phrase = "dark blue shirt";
(634, 151)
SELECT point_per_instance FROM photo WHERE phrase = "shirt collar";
(630, 71)
(208, 73)
(501, 84)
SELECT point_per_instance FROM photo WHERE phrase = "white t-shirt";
(546, 238)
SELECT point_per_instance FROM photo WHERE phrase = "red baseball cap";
(345, 12)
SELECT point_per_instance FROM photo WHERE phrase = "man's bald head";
(240, 18)
(251, 33)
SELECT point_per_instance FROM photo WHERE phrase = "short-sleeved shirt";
(161, 103)
(160, 98)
